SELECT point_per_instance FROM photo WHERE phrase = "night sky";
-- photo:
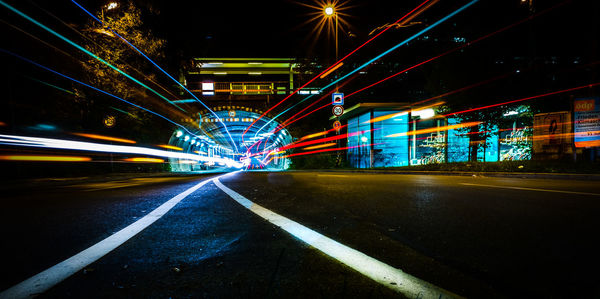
(274, 28)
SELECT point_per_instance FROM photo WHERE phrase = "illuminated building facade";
(396, 134)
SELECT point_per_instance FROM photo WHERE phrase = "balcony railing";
(250, 88)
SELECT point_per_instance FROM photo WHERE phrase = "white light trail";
(108, 148)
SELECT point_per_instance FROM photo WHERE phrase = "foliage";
(126, 20)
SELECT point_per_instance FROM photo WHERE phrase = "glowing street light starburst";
(323, 14)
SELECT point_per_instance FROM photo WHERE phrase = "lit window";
(208, 86)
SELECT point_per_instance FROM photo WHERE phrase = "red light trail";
(461, 47)
(333, 65)
(523, 99)
(286, 123)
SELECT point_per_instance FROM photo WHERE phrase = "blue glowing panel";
(390, 152)
(458, 144)
(488, 152)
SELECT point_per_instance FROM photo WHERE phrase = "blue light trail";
(161, 69)
(96, 89)
(375, 59)
(86, 51)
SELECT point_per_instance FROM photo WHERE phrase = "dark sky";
(274, 28)
(263, 28)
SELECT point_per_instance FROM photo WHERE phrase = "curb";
(529, 175)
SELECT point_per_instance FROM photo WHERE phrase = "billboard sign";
(586, 121)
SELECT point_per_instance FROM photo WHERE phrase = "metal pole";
(336, 37)
(414, 136)
(336, 45)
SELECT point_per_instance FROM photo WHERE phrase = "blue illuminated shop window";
(488, 152)
(458, 144)
(352, 153)
(390, 151)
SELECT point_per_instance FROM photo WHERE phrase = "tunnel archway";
(211, 140)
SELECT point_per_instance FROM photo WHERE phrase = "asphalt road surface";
(477, 237)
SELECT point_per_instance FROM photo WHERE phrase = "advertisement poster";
(587, 122)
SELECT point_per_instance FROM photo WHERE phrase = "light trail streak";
(172, 147)
(436, 129)
(314, 135)
(97, 89)
(440, 21)
(40, 142)
(187, 162)
(329, 150)
(45, 158)
(71, 56)
(37, 38)
(108, 138)
(301, 144)
(460, 47)
(23, 15)
(326, 139)
(441, 55)
(523, 99)
(337, 66)
(392, 115)
(100, 46)
(289, 119)
(337, 62)
(465, 88)
(51, 85)
(320, 133)
(319, 146)
(385, 117)
(161, 69)
(144, 160)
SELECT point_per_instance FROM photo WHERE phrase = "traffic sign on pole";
(337, 110)
(337, 125)
(337, 99)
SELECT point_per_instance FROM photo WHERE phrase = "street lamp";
(112, 5)
(331, 11)
(109, 6)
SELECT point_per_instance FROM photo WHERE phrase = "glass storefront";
(390, 152)
(370, 144)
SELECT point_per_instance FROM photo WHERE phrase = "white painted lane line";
(50, 277)
(380, 272)
(532, 189)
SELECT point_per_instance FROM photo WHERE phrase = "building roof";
(250, 66)
(364, 107)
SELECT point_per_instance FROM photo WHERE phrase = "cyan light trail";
(161, 69)
(23, 15)
(375, 59)
(417, 10)
(96, 89)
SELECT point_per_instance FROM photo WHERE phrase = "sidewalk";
(529, 175)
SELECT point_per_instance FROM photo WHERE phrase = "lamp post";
(330, 11)
(109, 6)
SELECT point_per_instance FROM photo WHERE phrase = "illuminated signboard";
(587, 122)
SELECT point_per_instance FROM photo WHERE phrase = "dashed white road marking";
(531, 189)
(48, 278)
(380, 272)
